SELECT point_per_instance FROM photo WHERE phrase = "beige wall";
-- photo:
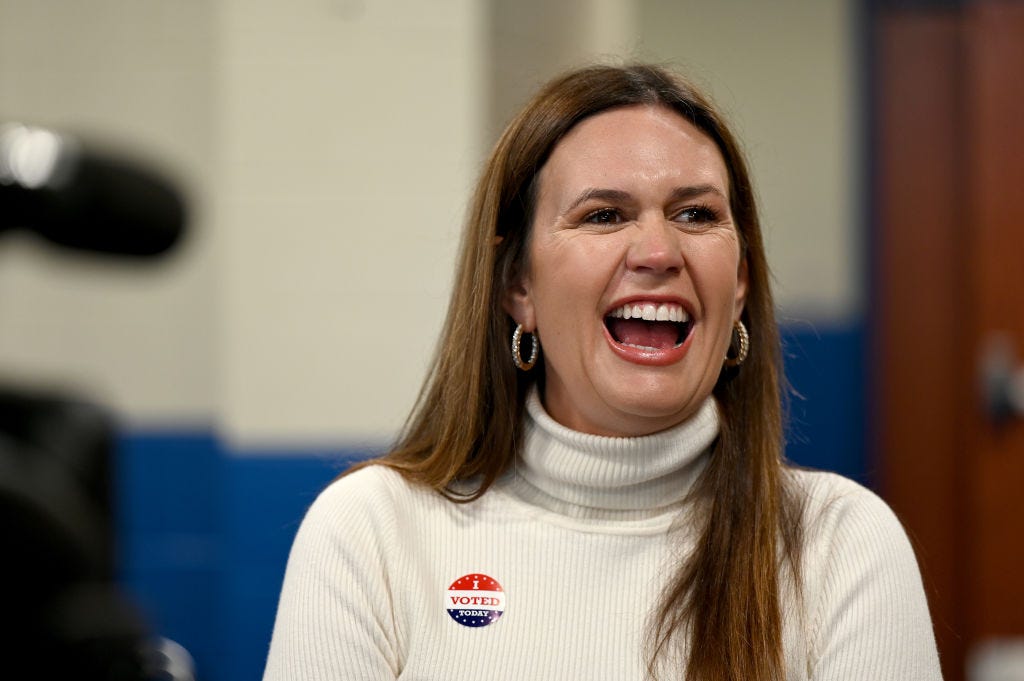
(139, 74)
(349, 136)
(330, 148)
(529, 41)
(785, 73)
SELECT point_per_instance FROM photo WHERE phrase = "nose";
(655, 248)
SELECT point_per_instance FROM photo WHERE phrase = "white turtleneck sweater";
(560, 564)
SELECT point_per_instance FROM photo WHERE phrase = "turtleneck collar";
(607, 478)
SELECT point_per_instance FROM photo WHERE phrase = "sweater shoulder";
(372, 497)
(368, 484)
(851, 537)
(336, 594)
(837, 505)
(867, 614)
(830, 486)
(372, 490)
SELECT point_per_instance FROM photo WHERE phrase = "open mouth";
(649, 326)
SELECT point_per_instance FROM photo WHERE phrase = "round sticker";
(475, 600)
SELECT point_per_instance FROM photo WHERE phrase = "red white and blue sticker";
(475, 600)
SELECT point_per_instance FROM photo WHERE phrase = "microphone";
(52, 185)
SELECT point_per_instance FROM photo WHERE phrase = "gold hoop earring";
(744, 348)
(517, 358)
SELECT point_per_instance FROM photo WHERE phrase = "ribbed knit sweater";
(554, 572)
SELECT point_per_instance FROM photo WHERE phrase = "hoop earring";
(517, 358)
(744, 348)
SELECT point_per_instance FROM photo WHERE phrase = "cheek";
(569, 276)
(570, 269)
(715, 270)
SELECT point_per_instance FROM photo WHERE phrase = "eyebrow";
(617, 195)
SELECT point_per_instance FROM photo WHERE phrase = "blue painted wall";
(825, 367)
(204, 536)
(204, 532)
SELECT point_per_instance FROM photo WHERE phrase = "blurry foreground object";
(52, 185)
(62, 615)
(997, 660)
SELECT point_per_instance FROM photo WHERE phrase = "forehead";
(635, 143)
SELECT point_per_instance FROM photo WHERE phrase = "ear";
(742, 284)
(519, 303)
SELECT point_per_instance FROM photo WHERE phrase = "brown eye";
(605, 216)
(697, 214)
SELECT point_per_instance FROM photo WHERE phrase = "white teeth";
(665, 312)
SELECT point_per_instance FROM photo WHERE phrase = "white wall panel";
(786, 74)
(136, 76)
(350, 141)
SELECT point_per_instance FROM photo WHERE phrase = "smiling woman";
(632, 214)
(616, 505)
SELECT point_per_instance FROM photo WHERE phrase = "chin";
(651, 413)
(659, 395)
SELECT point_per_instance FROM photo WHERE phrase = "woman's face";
(635, 275)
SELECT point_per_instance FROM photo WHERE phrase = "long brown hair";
(467, 422)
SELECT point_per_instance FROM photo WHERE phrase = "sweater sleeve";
(869, 618)
(334, 619)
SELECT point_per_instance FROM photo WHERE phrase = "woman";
(615, 505)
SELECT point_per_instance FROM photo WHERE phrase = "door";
(948, 247)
